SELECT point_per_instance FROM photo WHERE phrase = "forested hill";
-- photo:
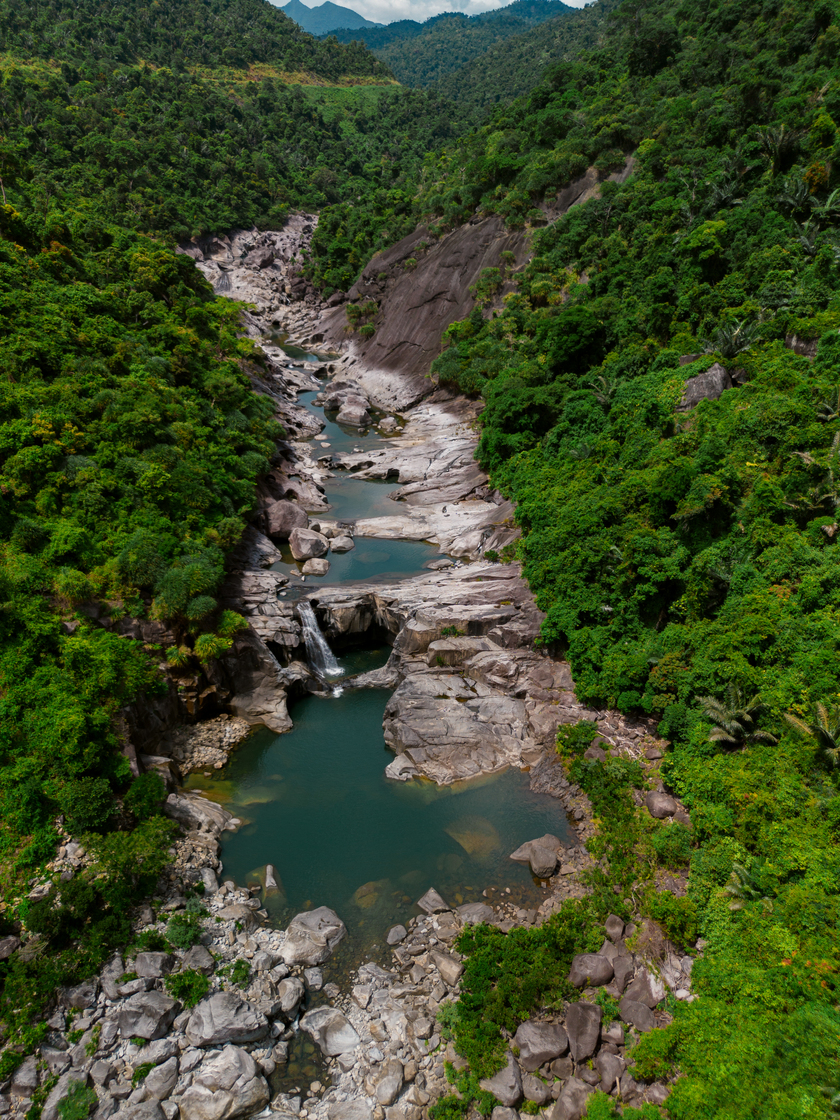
(684, 542)
(420, 54)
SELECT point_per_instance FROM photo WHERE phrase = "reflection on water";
(316, 805)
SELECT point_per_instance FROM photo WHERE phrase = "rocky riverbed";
(204, 1033)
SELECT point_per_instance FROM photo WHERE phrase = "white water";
(321, 657)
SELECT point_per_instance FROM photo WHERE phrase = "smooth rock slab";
(539, 1043)
(225, 1017)
(331, 1030)
(147, 1015)
(506, 1085)
(583, 1026)
(312, 936)
(590, 970)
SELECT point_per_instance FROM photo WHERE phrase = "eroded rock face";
(225, 1017)
(312, 936)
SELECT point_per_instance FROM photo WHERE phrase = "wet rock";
(316, 567)
(571, 1104)
(390, 1082)
(147, 1015)
(306, 544)
(282, 518)
(396, 934)
(151, 966)
(226, 1086)
(590, 970)
(506, 1085)
(660, 805)
(432, 903)
(646, 988)
(638, 1015)
(539, 1042)
(583, 1026)
(331, 1030)
(225, 1017)
(312, 936)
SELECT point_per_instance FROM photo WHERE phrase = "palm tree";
(735, 724)
(824, 728)
(829, 409)
(742, 888)
(732, 339)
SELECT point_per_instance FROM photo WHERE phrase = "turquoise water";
(316, 804)
(370, 559)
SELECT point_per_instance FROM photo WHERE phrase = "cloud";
(386, 11)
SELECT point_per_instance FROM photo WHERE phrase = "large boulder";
(539, 1043)
(660, 805)
(623, 969)
(342, 544)
(432, 902)
(540, 855)
(225, 1017)
(610, 1067)
(389, 1082)
(331, 1030)
(312, 936)
(590, 970)
(474, 913)
(282, 517)
(147, 1015)
(151, 966)
(583, 1026)
(290, 993)
(646, 988)
(316, 567)
(306, 544)
(450, 969)
(226, 1086)
(535, 1089)
(571, 1104)
(706, 386)
(506, 1085)
(638, 1015)
(25, 1078)
(160, 1081)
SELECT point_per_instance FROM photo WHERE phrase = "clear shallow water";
(316, 804)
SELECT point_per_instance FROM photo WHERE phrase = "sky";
(386, 11)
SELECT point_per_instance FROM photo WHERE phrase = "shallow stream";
(315, 802)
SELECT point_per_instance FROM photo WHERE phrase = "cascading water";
(321, 657)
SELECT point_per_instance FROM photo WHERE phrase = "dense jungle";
(685, 557)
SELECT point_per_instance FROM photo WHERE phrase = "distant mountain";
(325, 18)
(423, 53)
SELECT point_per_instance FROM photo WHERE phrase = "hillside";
(660, 388)
(420, 54)
(325, 17)
(132, 438)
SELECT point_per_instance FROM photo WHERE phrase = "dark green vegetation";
(420, 54)
(131, 436)
(688, 561)
(213, 33)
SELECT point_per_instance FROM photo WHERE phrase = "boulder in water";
(316, 567)
(312, 936)
(307, 544)
(342, 544)
(282, 517)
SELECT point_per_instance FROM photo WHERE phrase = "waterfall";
(321, 657)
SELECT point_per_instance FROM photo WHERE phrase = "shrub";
(87, 803)
(146, 795)
(78, 1103)
(189, 986)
